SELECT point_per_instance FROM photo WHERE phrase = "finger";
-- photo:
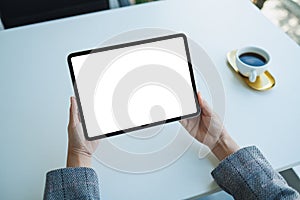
(71, 120)
(183, 122)
(205, 109)
(73, 112)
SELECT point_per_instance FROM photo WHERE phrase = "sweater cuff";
(72, 183)
(244, 172)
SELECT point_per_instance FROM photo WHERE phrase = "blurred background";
(283, 13)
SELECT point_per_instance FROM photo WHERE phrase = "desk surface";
(35, 89)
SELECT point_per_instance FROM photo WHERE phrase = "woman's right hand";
(208, 129)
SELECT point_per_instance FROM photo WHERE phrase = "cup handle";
(252, 77)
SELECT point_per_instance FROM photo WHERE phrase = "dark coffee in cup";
(253, 59)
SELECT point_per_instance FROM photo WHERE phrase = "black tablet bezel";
(118, 46)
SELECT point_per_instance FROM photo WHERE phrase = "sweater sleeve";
(72, 183)
(247, 175)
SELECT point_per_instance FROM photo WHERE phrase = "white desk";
(35, 87)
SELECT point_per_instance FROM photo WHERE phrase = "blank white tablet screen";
(124, 87)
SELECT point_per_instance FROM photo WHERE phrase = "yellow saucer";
(263, 82)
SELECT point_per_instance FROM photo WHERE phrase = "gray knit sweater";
(245, 175)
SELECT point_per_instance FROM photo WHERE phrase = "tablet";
(132, 86)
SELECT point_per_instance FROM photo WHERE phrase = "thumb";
(205, 109)
(74, 118)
